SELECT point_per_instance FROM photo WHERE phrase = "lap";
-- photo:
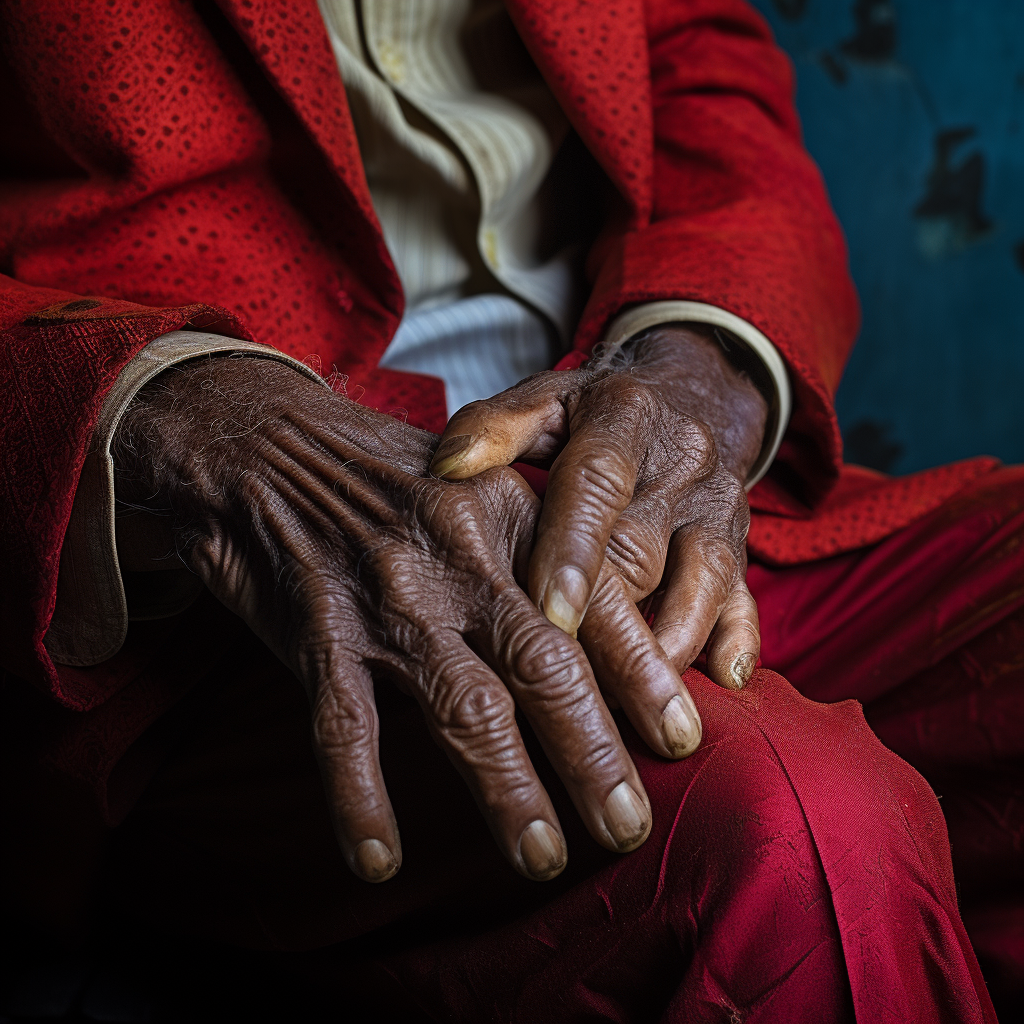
(926, 630)
(790, 835)
(792, 850)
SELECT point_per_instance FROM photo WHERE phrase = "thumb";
(528, 421)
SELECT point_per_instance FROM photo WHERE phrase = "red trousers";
(798, 869)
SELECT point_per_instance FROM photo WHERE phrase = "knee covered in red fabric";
(732, 868)
(778, 782)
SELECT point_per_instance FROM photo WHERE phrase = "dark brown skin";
(317, 522)
(645, 491)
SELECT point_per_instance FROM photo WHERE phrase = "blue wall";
(914, 109)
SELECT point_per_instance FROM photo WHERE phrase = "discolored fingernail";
(626, 817)
(542, 851)
(451, 452)
(565, 599)
(680, 725)
(742, 669)
(374, 861)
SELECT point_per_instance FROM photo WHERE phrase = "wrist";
(200, 423)
(171, 422)
(690, 367)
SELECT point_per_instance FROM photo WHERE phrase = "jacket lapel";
(593, 55)
(289, 40)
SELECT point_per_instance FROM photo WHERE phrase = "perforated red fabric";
(594, 58)
(863, 508)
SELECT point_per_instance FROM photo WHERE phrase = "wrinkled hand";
(315, 521)
(648, 459)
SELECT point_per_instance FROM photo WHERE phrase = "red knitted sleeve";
(59, 355)
(740, 219)
(110, 157)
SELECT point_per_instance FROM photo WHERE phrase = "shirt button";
(391, 62)
(490, 245)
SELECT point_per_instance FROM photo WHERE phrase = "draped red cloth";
(173, 165)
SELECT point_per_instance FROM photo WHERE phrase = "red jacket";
(166, 160)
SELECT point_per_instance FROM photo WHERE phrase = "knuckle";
(636, 549)
(511, 485)
(728, 511)
(635, 402)
(460, 702)
(600, 758)
(712, 564)
(719, 565)
(687, 450)
(701, 448)
(508, 789)
(399, 577)
(342, 724)
(637, 658)
(721, 507)
(545, 660)
(505, 491)
(471, 709)
(452, 515)
(320, 607)
(606, 481)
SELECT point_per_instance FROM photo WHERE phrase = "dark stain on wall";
(874, 42)
(1018, 254)
(791, 9)
(833, 67)
(867, 443)
(875, 38)
(950, 216)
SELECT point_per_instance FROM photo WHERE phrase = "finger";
(548, 674)
(735, 641)
(700, 573)
(345, 739)
(472, 717)
(590, 484)
(631, 667)
(511, 509)
(528, 421)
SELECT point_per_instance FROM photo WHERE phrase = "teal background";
(914, 110)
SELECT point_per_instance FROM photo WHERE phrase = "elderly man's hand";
(315, 521)
(648, 459)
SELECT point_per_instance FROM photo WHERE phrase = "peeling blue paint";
(914, 109)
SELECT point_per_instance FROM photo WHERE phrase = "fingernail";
(375, 861)
(742, 669)
(542, 851)
(680, 725)
(450, 453)
(565, 599)
(626, 817)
